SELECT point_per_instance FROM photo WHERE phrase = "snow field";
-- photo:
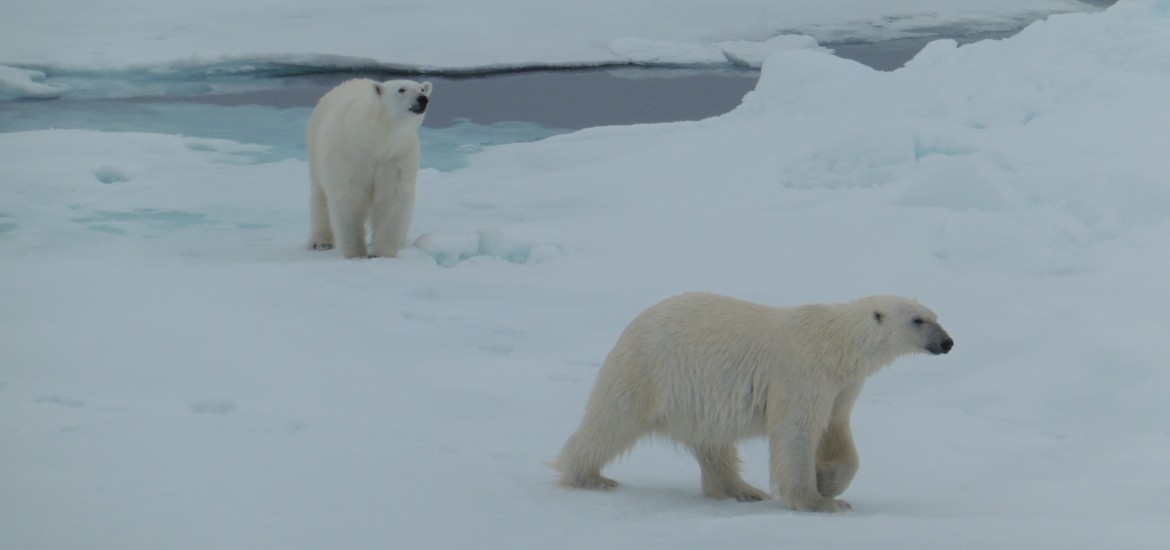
(173, 355)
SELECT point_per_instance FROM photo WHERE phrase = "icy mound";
(21, 83)
(515, 244)
(1056, 129)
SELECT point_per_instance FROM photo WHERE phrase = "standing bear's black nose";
(946, 345)
(420, 104)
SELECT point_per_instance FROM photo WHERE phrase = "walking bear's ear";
(378, 88)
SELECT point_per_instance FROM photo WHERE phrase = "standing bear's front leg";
(392, 209)
(347, 218)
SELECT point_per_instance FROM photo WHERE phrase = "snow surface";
(177, 372)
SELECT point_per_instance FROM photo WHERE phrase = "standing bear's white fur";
(708, 370)
(363, 161)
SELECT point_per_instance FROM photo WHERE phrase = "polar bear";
(708, 370)
(363, 162)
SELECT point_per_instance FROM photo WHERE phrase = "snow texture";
(176, 372)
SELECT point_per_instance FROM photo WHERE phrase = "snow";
(176, 371)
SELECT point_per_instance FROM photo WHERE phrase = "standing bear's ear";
(426, 88)
(878, 316)
(378, 88)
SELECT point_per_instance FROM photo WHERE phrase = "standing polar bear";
(363, 161)
(708, 370)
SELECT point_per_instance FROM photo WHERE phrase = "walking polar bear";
(363, 162)
(708, 370)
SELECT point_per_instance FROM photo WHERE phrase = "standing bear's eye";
(402, 90)
(917, 320)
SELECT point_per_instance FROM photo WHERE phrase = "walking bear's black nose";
(939, 347)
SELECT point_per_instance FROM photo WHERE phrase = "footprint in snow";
(62, 401)
(213, 406)
(110, 175)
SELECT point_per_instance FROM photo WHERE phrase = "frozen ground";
(176, 372)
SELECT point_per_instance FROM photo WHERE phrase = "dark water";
(566, 99)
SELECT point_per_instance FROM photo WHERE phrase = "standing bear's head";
(910, 326)
(404, 96)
